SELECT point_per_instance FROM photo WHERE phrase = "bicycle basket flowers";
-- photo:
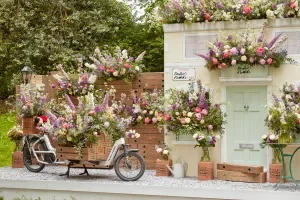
(244, 50)
(115, 66)
(32, 101)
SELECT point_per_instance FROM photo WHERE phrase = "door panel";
(246, 126)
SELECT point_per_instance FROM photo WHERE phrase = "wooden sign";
(184, 74)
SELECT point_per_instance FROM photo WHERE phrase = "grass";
(7, 121)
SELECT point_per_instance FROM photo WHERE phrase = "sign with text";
(246, 146)
(184, 74)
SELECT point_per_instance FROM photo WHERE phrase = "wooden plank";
(241, 176)
(240, 168)
(148, 139)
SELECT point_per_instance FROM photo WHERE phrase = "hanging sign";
(184, 74)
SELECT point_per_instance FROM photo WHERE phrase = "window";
(292, 45)
(197, 44)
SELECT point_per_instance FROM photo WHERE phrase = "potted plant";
(16, 134)
(164, 152)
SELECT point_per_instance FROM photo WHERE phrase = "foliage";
(31, 102)
(245, 51)
(15, 133)
(6, 146)
(189, 11)
(163, 150)
(115, 65)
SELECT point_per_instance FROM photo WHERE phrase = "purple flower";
(97, 109)
(229, 38)
(219, 5)
(202, 102)
(219, 44)
(272, 42)
(174, 106)
(217, 105)
(211, 52)
(69, 102)
(53, 86)
(203, 56)
(53, 119)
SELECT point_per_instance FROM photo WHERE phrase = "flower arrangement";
(190, 11)
(149, 108)
(163, 150)
(74, 84)
(272, 140)
(115, 66)
(245, 51)
(191, 111)
(32, 101)
(204, 141)
(15, 134)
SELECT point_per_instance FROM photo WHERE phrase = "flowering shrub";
(74, 84)
(15, 133)
(118, 66)
(31, 102)
(189, 112)
(149, 108)
(189, 11)
(163, 150)
(245, 50)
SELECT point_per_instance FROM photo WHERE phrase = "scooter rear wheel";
(29, 159)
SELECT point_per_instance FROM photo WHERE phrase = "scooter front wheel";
(129, 166)
(30, 161)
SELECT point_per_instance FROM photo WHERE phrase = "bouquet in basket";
(74, 84)
(115, 66)
(149, 108)
(32, 101)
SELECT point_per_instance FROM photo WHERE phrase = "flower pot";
(17, 160)
(161, 168)
(275, 173)
(256, 71)
(29, 127)
(205, 171)
(18, 146)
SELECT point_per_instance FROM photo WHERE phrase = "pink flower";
(127, 66)
(111, 70)
(262, 61)
(269, 61)
(215, 61)
(147, 120)
(106, 124)
(102, 68)
(91, 112)
(226, 55)
(160, 114)
(144, 111)
(204, 112)
(251, 59)
(27, 104)
(159, 150)
(65, 125)
(197, 109)
(198, 116)
(182, 120)
(207, 16)
(154, 120)
(233, 62)
(247, 10)
(210, 127)
(223, 65)
(234, 51)
(260, 51)
(293, 5)
(62, 119)
(167, 117)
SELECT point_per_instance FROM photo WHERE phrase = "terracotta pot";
(29, 127)
(17, 160)
(205, 171)
(275, 173)
(161, 169)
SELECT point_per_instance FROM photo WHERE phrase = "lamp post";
(26, 72)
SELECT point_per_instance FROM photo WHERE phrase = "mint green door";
(246, 114)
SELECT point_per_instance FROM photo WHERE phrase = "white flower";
(166, 152)
(244, 58)
(187, 120)
(250, 47)
(270, 117)
(137, 135)
(243, 51)
(202, 121)
(195, 135)
(116, 73)
(272, 137)
(226, 47)
(218, 137)
(177, 113)
(190, 114)
(184, 113)
(288, 97)
(137, 68)
(151, 112)
(264, 137)
(270, 14)
(92, 79)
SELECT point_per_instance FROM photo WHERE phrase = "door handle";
(246, 107)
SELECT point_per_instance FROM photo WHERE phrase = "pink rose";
(197, 109)
(111, 70)
(91, 112)
(262, 61)
(234, 51)
(226, 55)
(198, 116)
(167, 117)
(204, 112)
(251, 59)
(215, 61)
(269, 61)
(159, 150)
(27, 104)
(223, 65)
(147, 120)
(127, 66)
(62, 119)
(160, 114)
(293, 5)
(233, 62)
(243, 51)
(210, 127)
(260, 51)
(182, 120)
(207, 16)
(154, 120)
(247, 10)
(65, 125)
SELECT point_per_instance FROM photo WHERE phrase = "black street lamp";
(26, 72)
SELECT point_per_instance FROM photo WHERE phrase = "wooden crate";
(241, 176)
(69, 153)
(148, 139)
(17, 160)
(118, 85)
(147, 129)
(149, 80)
(29, 127)
(240, 168)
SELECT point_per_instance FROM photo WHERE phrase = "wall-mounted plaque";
(184, 74)
(246, 146)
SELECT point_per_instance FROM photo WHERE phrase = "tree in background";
(42, 33)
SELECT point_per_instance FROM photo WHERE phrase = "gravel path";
(51, 173)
